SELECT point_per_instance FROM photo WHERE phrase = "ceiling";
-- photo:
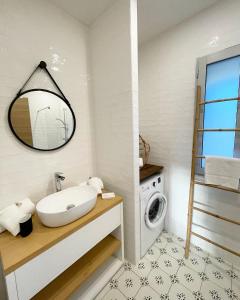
(85, 11)
(154, 16)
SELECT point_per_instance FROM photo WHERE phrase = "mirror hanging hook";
(43, 65)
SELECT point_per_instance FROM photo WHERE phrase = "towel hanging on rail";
(222, 171)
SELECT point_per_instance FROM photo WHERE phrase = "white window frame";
(201, 81)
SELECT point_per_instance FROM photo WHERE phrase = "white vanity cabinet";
(79, 254)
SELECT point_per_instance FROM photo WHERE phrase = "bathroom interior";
(119, 160)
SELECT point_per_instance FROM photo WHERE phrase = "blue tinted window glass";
(222, 81)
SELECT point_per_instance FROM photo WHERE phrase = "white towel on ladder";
(222, 171)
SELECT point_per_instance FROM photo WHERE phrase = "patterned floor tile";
(114, 294)
(181, 262)
(198, 251)
(232, 293)
(128, 283)
(162, 251)
(175, 250)
(179, 292)
(169, 239)
(168, 264)
(143, 267)
(127, 266)
(146, 293)
(195, 263)
(153, 253)
(161, 242)
(179, 241)
(166, 234)
(154, 264)
(218, 276)
(234, 274)
(159, 281)
(221, 263)
(165, 274)
(189, 278)
(203, 276)
(198, 295)
(211, 291)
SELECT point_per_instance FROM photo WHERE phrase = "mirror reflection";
(42, 120)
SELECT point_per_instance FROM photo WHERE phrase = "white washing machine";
(153, 207)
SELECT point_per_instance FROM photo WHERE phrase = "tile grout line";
(121, 292)
(172, 283)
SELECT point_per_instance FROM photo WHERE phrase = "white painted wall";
(115, 92)
(167, 92)
(31, 31)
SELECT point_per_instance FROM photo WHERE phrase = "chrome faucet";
(58, 180)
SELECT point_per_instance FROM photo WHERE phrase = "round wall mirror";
(41, 119)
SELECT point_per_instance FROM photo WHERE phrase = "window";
(219, 78)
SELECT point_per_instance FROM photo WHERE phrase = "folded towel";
(10, 218)
(222, 171)
(96, 180)
(26, 206)
(96, 183)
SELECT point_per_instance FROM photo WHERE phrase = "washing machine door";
(156, 210)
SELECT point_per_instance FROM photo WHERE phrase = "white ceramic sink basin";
(64, 207)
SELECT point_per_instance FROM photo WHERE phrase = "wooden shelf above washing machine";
(149, 170)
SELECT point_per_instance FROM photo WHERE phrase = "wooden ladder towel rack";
(193, 181)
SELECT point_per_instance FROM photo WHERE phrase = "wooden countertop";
(149, 170)
(15, 251)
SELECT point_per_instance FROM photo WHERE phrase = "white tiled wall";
(31, 31)
(114, 71)
(167, 90)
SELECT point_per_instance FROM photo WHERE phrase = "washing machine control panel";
(157, 181)
(153, 182)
